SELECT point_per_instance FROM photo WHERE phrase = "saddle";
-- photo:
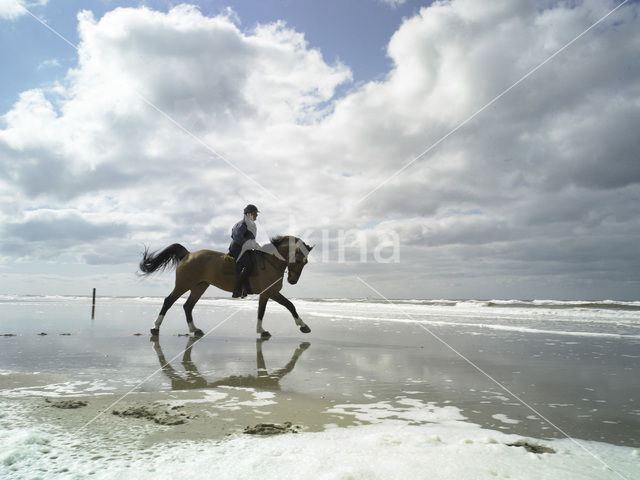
(229, 263)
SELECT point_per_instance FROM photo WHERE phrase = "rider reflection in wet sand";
(194, 379)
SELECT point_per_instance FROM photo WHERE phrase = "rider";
(243, 234)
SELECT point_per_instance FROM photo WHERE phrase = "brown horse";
(195, 271)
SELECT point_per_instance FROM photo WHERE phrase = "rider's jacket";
(240, 233)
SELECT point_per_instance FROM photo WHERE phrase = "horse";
(195, 271)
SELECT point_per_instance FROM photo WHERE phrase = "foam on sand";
(407, 439)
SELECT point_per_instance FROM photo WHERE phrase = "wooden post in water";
(93, 305)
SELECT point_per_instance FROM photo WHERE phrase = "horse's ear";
(311, 247)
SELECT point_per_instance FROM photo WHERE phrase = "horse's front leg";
(262, 306)
(282, 300)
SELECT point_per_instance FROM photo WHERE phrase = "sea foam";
(445, 447)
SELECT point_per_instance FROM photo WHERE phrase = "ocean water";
(408, 389)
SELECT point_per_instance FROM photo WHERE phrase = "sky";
(454, 149)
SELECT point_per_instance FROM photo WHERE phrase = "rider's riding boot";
(242, 284)
(246, 288)
(237, 289)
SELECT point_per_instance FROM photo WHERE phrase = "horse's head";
(294, 251)
(298, 259)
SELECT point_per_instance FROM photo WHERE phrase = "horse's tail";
(169, 257)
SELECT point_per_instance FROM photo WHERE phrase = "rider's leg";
(246, 272)
(237, 289)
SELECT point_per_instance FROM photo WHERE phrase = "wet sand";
(104, 390)
(229, 380)
(585, 386)
(143, 419)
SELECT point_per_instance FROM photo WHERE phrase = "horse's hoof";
(155, 332)
(265, 335)
(305, 329)
(198, 333)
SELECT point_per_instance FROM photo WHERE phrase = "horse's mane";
(277, 241)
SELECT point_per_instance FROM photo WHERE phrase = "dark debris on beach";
(41, 334)
(531, 447)
(157, 414)
(67, 404)
(271, 429)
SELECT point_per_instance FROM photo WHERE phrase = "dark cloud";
(42, 173)
(51, 235)
(63, 227)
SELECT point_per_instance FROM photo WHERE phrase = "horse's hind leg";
(168, 302)
(196, 293)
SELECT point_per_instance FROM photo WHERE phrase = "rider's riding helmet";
(251, 209)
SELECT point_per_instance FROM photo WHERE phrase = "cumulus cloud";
(12, 9)
(108, 130)
(555, 161)
(544, 182)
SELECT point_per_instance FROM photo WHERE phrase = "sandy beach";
(371, 393)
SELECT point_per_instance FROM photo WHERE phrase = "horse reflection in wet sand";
(194, 379)
(195, 271)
